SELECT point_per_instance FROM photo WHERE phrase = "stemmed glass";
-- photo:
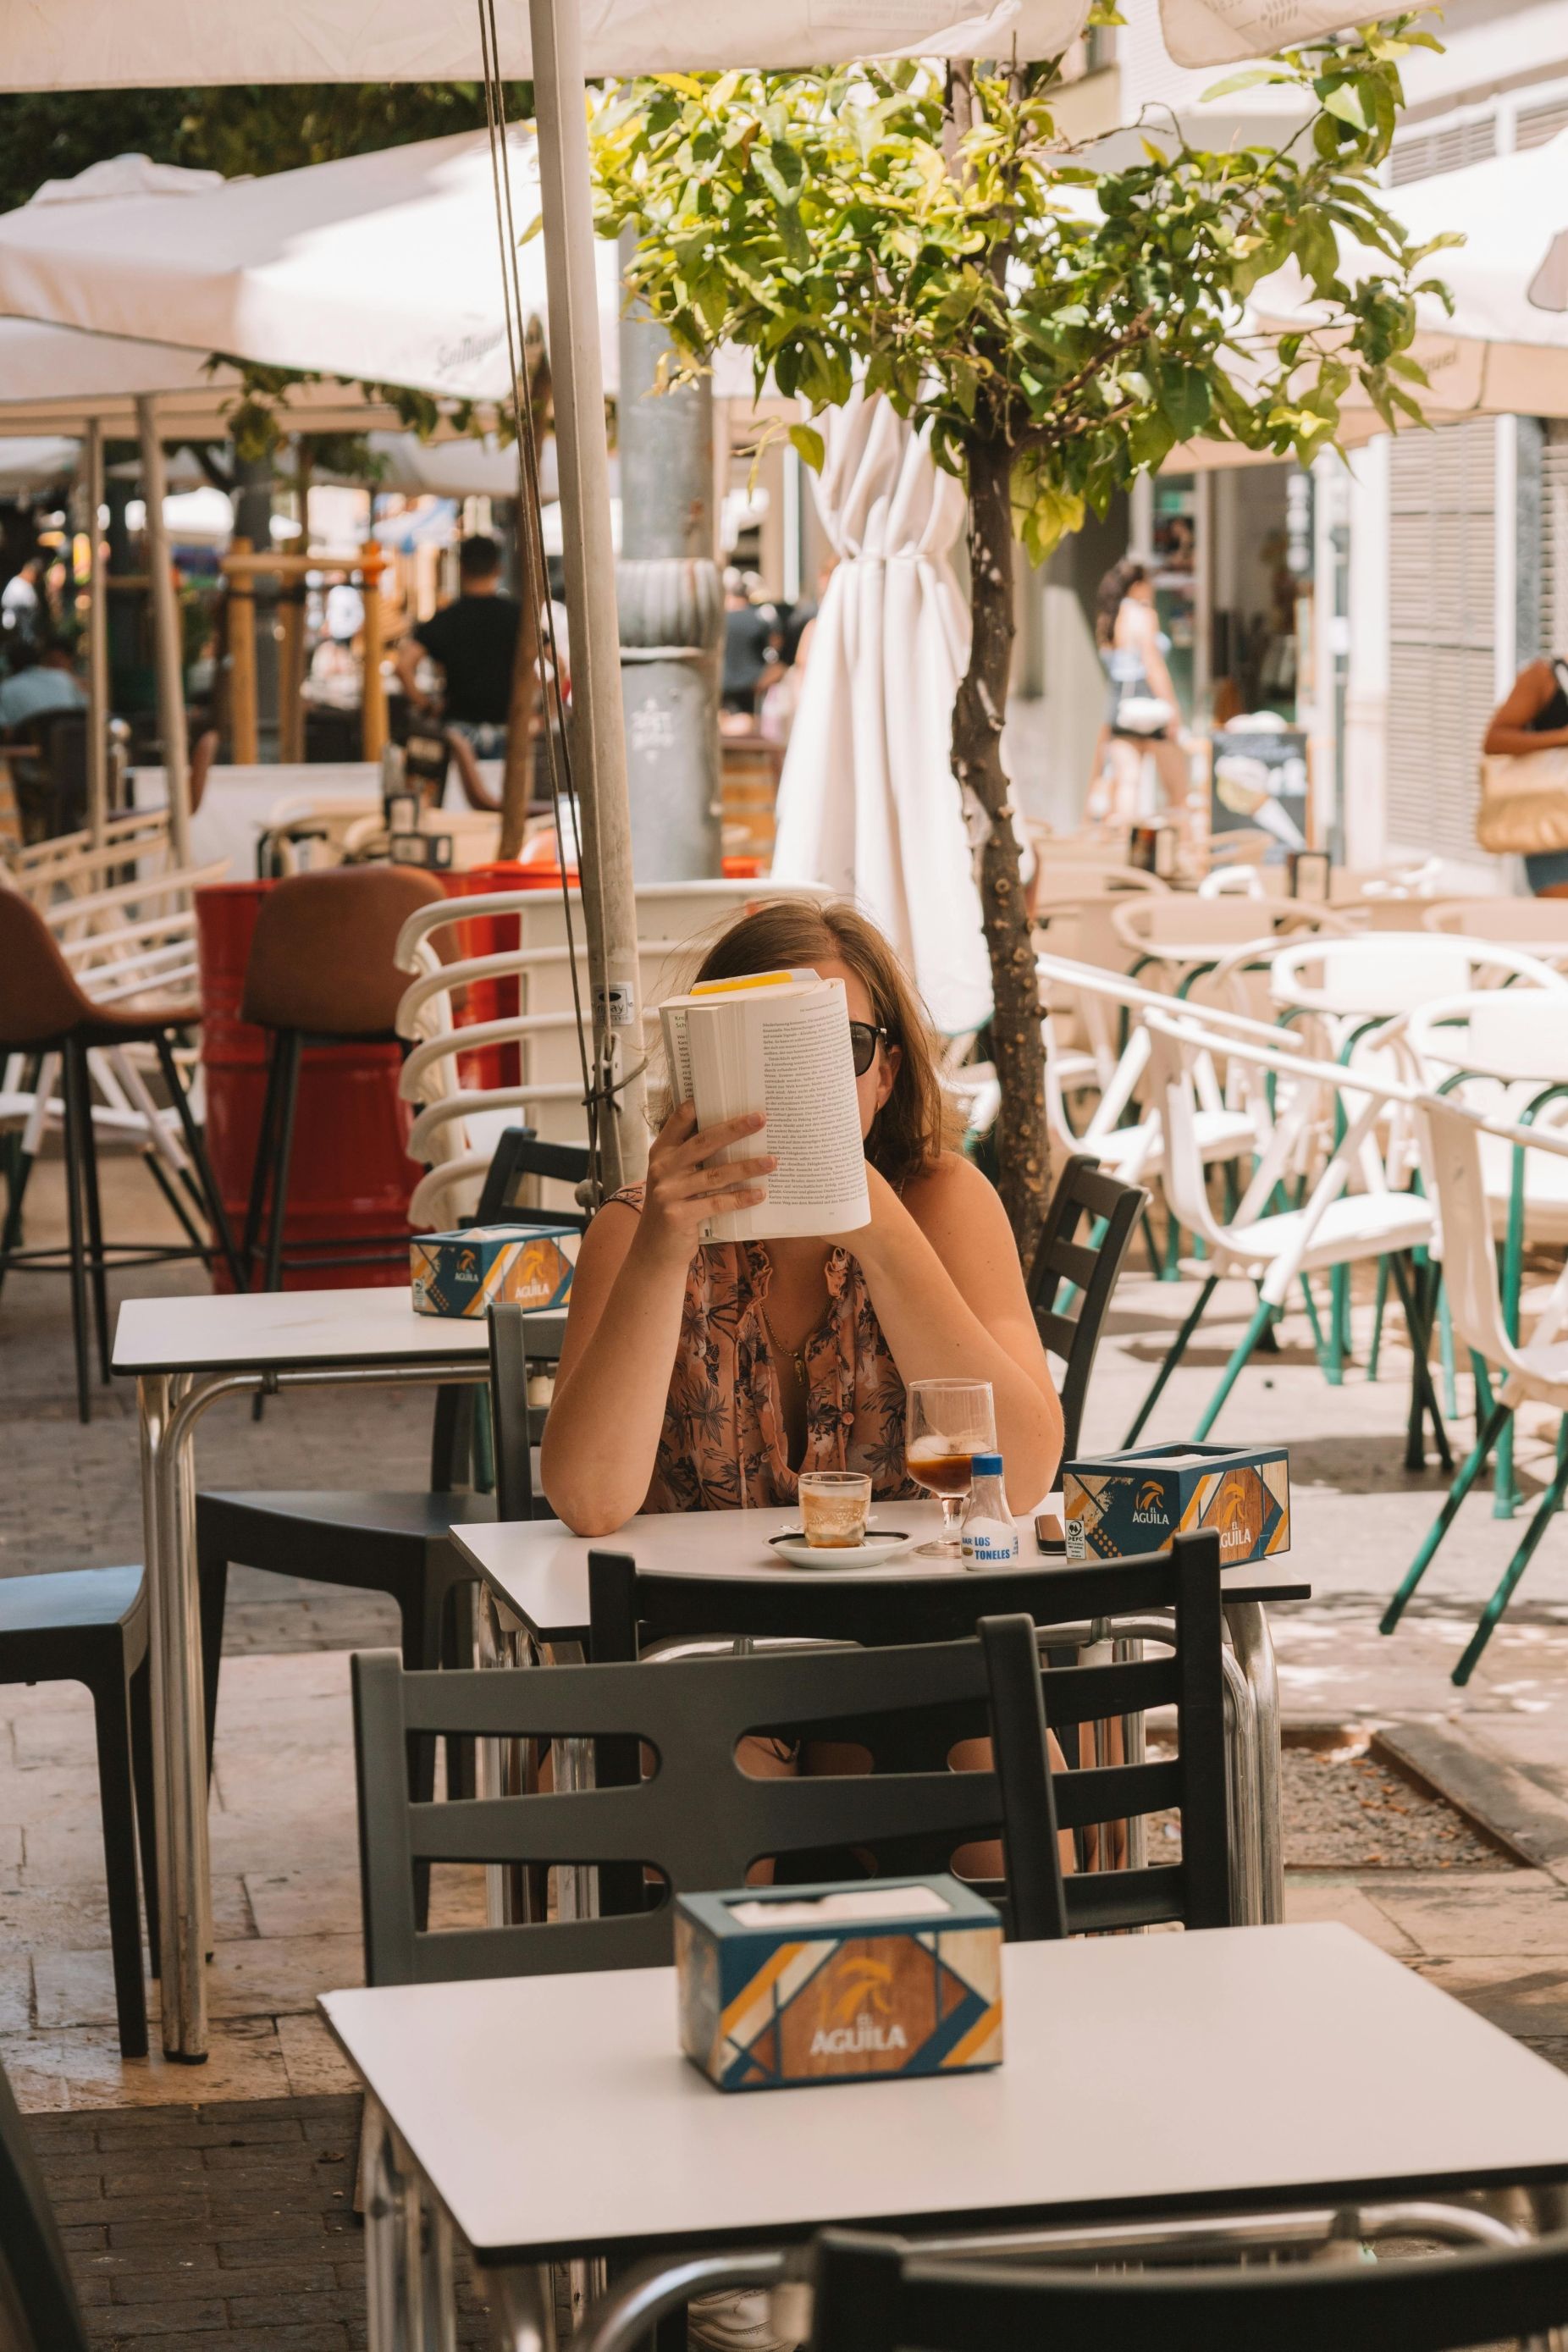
(950, 1422)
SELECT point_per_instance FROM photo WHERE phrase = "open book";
(776, 1042)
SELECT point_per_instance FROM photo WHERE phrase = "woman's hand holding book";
(685, 1188)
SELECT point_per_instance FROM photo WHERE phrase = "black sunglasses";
(863, 1040)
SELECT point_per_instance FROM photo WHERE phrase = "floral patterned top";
(723, 1446)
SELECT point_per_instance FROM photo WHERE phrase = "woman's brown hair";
(917, 1123)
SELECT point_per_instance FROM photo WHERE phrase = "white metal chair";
(1131, 1149)
(1335, 1226)
(1348, 984)
(1534, 1371)
(1073, 879)
(458, 1125)
(1182, 936)
(1538, 925)
(1503, 1053)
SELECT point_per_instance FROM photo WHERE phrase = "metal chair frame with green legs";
(1123, 1133)
(1351, 987)
(1509, 1041)
(1536, 1371)
(1335, 1227)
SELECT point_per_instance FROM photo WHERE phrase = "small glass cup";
(834, 1504)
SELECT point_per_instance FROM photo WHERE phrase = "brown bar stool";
(321, 973)
(44, 1011)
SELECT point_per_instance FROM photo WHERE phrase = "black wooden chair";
(874, 2294)
(379, 1541)
(698, 1820)
(89, 1625)
(38, 2306)
(1090, 1268)
(631, 1610)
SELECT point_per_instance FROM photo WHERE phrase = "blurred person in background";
(752, 638)
(23, 609)
(1142, 713)
(41, 681)
(473, 641)
(1532, 718)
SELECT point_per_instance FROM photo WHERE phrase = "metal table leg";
(1254, 1646)
(169, 1407)
(522, 2307)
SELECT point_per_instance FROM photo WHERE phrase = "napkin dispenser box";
(490, 1265)
(786, 1986)
(1117, 1506)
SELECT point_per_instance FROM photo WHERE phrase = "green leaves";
(840, 226)
(808, 442)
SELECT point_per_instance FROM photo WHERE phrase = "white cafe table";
(549, 2119)
(535, 1574)
(185, 1353)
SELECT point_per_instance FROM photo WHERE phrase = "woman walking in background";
(1140, 714)
(1524, 778)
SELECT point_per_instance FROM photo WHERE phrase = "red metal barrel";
(350, 1176)
(496, 999)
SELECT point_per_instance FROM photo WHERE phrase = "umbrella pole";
(599, 731)
(96, 643)
(166, 645)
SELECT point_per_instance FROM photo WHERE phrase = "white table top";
(540, 1570)
(555, 2115)
(294, 1329)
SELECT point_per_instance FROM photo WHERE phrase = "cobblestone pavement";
(230, 2223)
(200, 2252)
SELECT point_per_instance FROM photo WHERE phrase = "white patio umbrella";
(52, 379)
(109, 45)
(1504, 352)
(34, 462)
(868, 802)
(381, 268)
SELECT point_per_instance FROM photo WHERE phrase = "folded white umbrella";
(868, 802)
(382, 267)
(142, 44)
(1504, 351)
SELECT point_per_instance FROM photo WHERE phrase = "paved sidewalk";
(286, 1895)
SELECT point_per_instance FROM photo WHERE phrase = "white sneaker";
(733, 2322)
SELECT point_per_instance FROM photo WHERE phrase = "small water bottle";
(989, 1537)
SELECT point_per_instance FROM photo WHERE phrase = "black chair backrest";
(875, 2295)
(631, 1608)
(519, 1156)
(37, 2302)
(1083, 1190)
(697, 1818)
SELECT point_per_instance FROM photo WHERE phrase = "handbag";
(1142, 714)
(1524, 802)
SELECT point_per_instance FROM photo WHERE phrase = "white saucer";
(870, 1554)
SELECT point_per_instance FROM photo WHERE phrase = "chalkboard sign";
(1259, 785)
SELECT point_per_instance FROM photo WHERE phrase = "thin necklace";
(795, 1355)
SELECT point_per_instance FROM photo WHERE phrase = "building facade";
(1438, 561)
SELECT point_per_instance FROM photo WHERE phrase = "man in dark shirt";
(751, 647)
(474, 641)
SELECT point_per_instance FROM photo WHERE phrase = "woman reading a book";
(705, 1377)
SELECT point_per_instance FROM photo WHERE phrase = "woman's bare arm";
(1144, 634)
(943, 1270)
(1510, 731)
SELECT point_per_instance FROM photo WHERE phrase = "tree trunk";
(977, 716)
